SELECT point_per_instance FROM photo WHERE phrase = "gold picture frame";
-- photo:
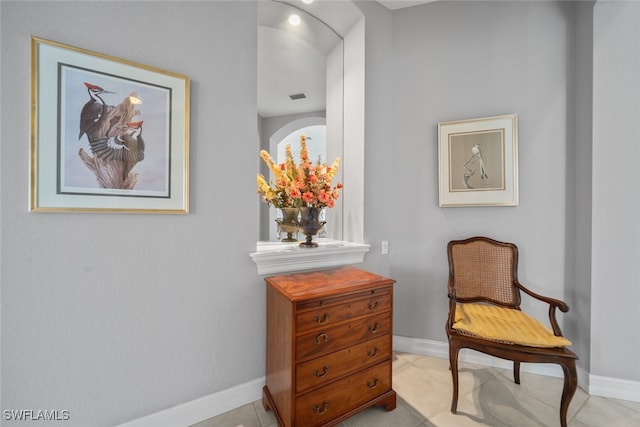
(478, 162)
(107, 135)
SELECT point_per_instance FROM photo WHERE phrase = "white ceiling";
(400, 4)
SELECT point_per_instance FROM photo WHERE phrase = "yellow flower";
(334, 169)
(268, 195)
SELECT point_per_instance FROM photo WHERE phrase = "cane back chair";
(485, 315)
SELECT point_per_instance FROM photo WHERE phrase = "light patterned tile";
(424, 393)
(495, 400)
(399, 359)
(266, 418)
(244, 416)
(406, 357)
(408, 407)
(572, 422)
(378, 417)
(527, 404)
(468, 414)
(544, 388)
(599, 411)
(470, 376)
(634, 406)
(488, 397)
(515, 410)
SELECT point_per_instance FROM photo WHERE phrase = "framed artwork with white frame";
(478, 162)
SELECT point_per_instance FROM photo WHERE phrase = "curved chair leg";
(516, 371)
(454, 349)
(569, 389)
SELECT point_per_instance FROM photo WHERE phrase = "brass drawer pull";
(321, 409)
(373, 329)
(322, 373)
(373, 384)
(373, 306)
(324, 337)
(322, 320)
(373, 353)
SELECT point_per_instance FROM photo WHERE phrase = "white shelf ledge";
(279, 257)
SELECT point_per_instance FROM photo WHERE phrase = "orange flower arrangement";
(305, 185)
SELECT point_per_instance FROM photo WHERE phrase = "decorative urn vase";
(288, 223)
(309, 224)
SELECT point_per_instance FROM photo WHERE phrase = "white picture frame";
(478, 162)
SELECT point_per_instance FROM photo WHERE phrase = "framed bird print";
(107, 135)
(478, 162)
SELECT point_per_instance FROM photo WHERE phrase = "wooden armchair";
(485, 315)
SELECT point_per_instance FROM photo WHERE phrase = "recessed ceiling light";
(307, 1)
(294, 19)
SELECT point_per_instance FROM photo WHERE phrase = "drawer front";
(327, 403)
(323, 341)
(334, 311)
(325, 369)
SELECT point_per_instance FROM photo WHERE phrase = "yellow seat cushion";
(504, 325)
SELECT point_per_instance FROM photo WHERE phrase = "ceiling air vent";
(297, 96)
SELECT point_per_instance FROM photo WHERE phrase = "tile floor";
(488, 397)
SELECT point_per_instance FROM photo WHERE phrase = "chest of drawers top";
(325, 283)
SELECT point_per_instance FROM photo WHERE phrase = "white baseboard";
(206, 407)
(615, 388)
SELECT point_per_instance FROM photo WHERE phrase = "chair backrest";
(483, 269)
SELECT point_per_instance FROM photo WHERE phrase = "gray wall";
(112, 337)
(615, 342)
(579, 199)
(379, 213)
(569, 70)
(114, 317)
(461, 60)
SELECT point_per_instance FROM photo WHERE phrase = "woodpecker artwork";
(93, 110)
(132, 147)
(114, 136)
(127, 148)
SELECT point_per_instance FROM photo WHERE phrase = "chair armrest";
(451, 294)
(553, 304)
(551, 301)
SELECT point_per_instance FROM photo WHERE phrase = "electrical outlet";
(385, 247)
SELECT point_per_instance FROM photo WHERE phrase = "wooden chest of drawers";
(329, 348)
